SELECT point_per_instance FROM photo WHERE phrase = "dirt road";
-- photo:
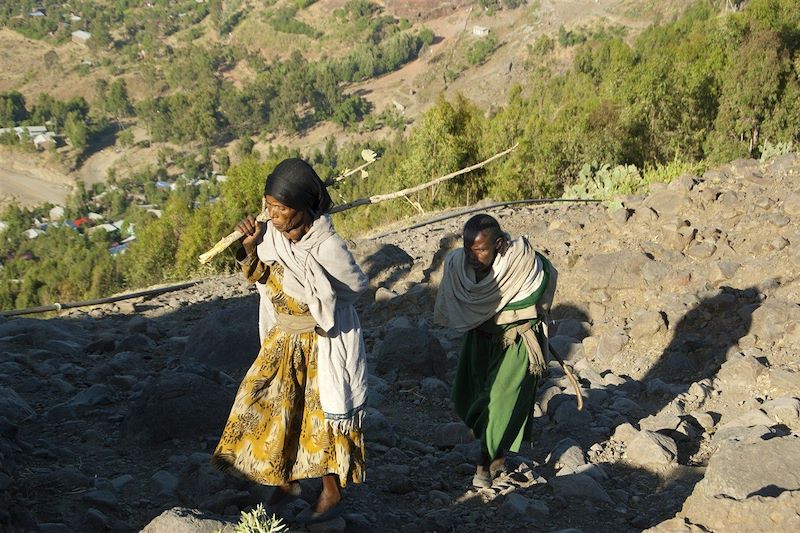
(25, 179)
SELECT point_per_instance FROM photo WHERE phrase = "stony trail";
(679, 313)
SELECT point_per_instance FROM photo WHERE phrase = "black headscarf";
(295, 184)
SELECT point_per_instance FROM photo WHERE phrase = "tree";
(223, 160)
(76, 130)
(751, 89)
(12, 109)
(444, 141)
(51, 59)
(239, 109)
(117, 102)
(101, 93)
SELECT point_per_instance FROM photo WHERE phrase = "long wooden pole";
(110, 299)
(264, 216)
(367, 155)
(405, 192)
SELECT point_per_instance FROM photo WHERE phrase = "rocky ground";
(679, 313)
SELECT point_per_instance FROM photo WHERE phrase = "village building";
(118, 249)
(46, 140)
(24, 132)
(480, 31)
(56, 213)
(42, 138)
(81, 37)
(109, 228)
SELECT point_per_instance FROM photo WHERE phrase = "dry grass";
(63, 82)
(416, 86)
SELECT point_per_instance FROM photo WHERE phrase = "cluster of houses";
(94, 222)
(41, 137)
(172, 185)
(90, 223)
(79, 36)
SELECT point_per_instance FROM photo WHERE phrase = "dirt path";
(26, 178)
(30, 190)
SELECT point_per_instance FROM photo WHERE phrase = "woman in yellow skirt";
(298, 411)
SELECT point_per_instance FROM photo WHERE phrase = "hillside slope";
(679, 314)
(415, 87)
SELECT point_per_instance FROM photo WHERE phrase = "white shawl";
(320, 271)
(463, 303)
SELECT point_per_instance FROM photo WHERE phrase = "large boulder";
(774, 320)
(751, 482)
(182, 520)
(651, 450)
(14, 407)
(612, 271)
(383, 263)
(226, 339)
(31, 332)
(411, 352)
(177, 405)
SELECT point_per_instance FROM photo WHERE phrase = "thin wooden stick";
(390, 196)
(344, 176)
(370, 157)
(367, 155)
(223, 243)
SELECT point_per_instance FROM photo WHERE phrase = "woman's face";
(285, 219)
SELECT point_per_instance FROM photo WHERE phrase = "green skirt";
(494, 392)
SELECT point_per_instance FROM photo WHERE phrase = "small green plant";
(543, 44)
(666, 172)
(257, 521)
(480, 50)
(567, 38)
(771, 151)
(604, 182)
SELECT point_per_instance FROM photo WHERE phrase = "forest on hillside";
(705, 88)
(189, 96)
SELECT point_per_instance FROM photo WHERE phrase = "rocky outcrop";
(678, 313)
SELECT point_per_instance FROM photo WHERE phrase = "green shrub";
(543, 45)
(9, 138)
(567, 38)
(771, 151)
(604, 182)
(665, 173)
(283, 20)
(257, 521)
(480, 50)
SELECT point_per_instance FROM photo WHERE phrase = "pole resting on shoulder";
(223, 243)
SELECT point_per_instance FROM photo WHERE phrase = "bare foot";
(481, 479)
(331, 494)
(327, 501)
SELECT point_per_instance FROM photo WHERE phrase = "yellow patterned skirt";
(276, 431)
